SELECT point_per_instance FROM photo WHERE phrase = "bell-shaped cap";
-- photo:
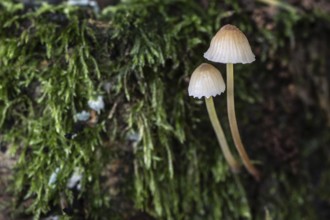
(206, 81)
(230, 45)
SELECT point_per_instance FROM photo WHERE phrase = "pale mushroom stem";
(233, 123)
(234, 166)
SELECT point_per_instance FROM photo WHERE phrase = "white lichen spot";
(134, 137)
(86, 3)
(82, 116)
(107, 86)
(75, 180)
(96, 105)
(53, 177)
(53, 217)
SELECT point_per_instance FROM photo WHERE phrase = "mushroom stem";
(234, 166)
(233, 123)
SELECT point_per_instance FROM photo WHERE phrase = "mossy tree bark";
(150, 155)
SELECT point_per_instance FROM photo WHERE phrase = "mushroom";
(230, 46)
(206, 81)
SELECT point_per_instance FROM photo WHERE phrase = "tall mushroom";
(206, 81)
(230, 46)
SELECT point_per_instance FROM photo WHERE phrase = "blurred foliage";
(138, 55)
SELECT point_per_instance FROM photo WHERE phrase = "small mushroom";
(231, 46)
(206, 81)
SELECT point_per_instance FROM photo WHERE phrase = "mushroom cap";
(206, 81)
(230, 45)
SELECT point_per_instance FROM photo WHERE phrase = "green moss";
(56, 58)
